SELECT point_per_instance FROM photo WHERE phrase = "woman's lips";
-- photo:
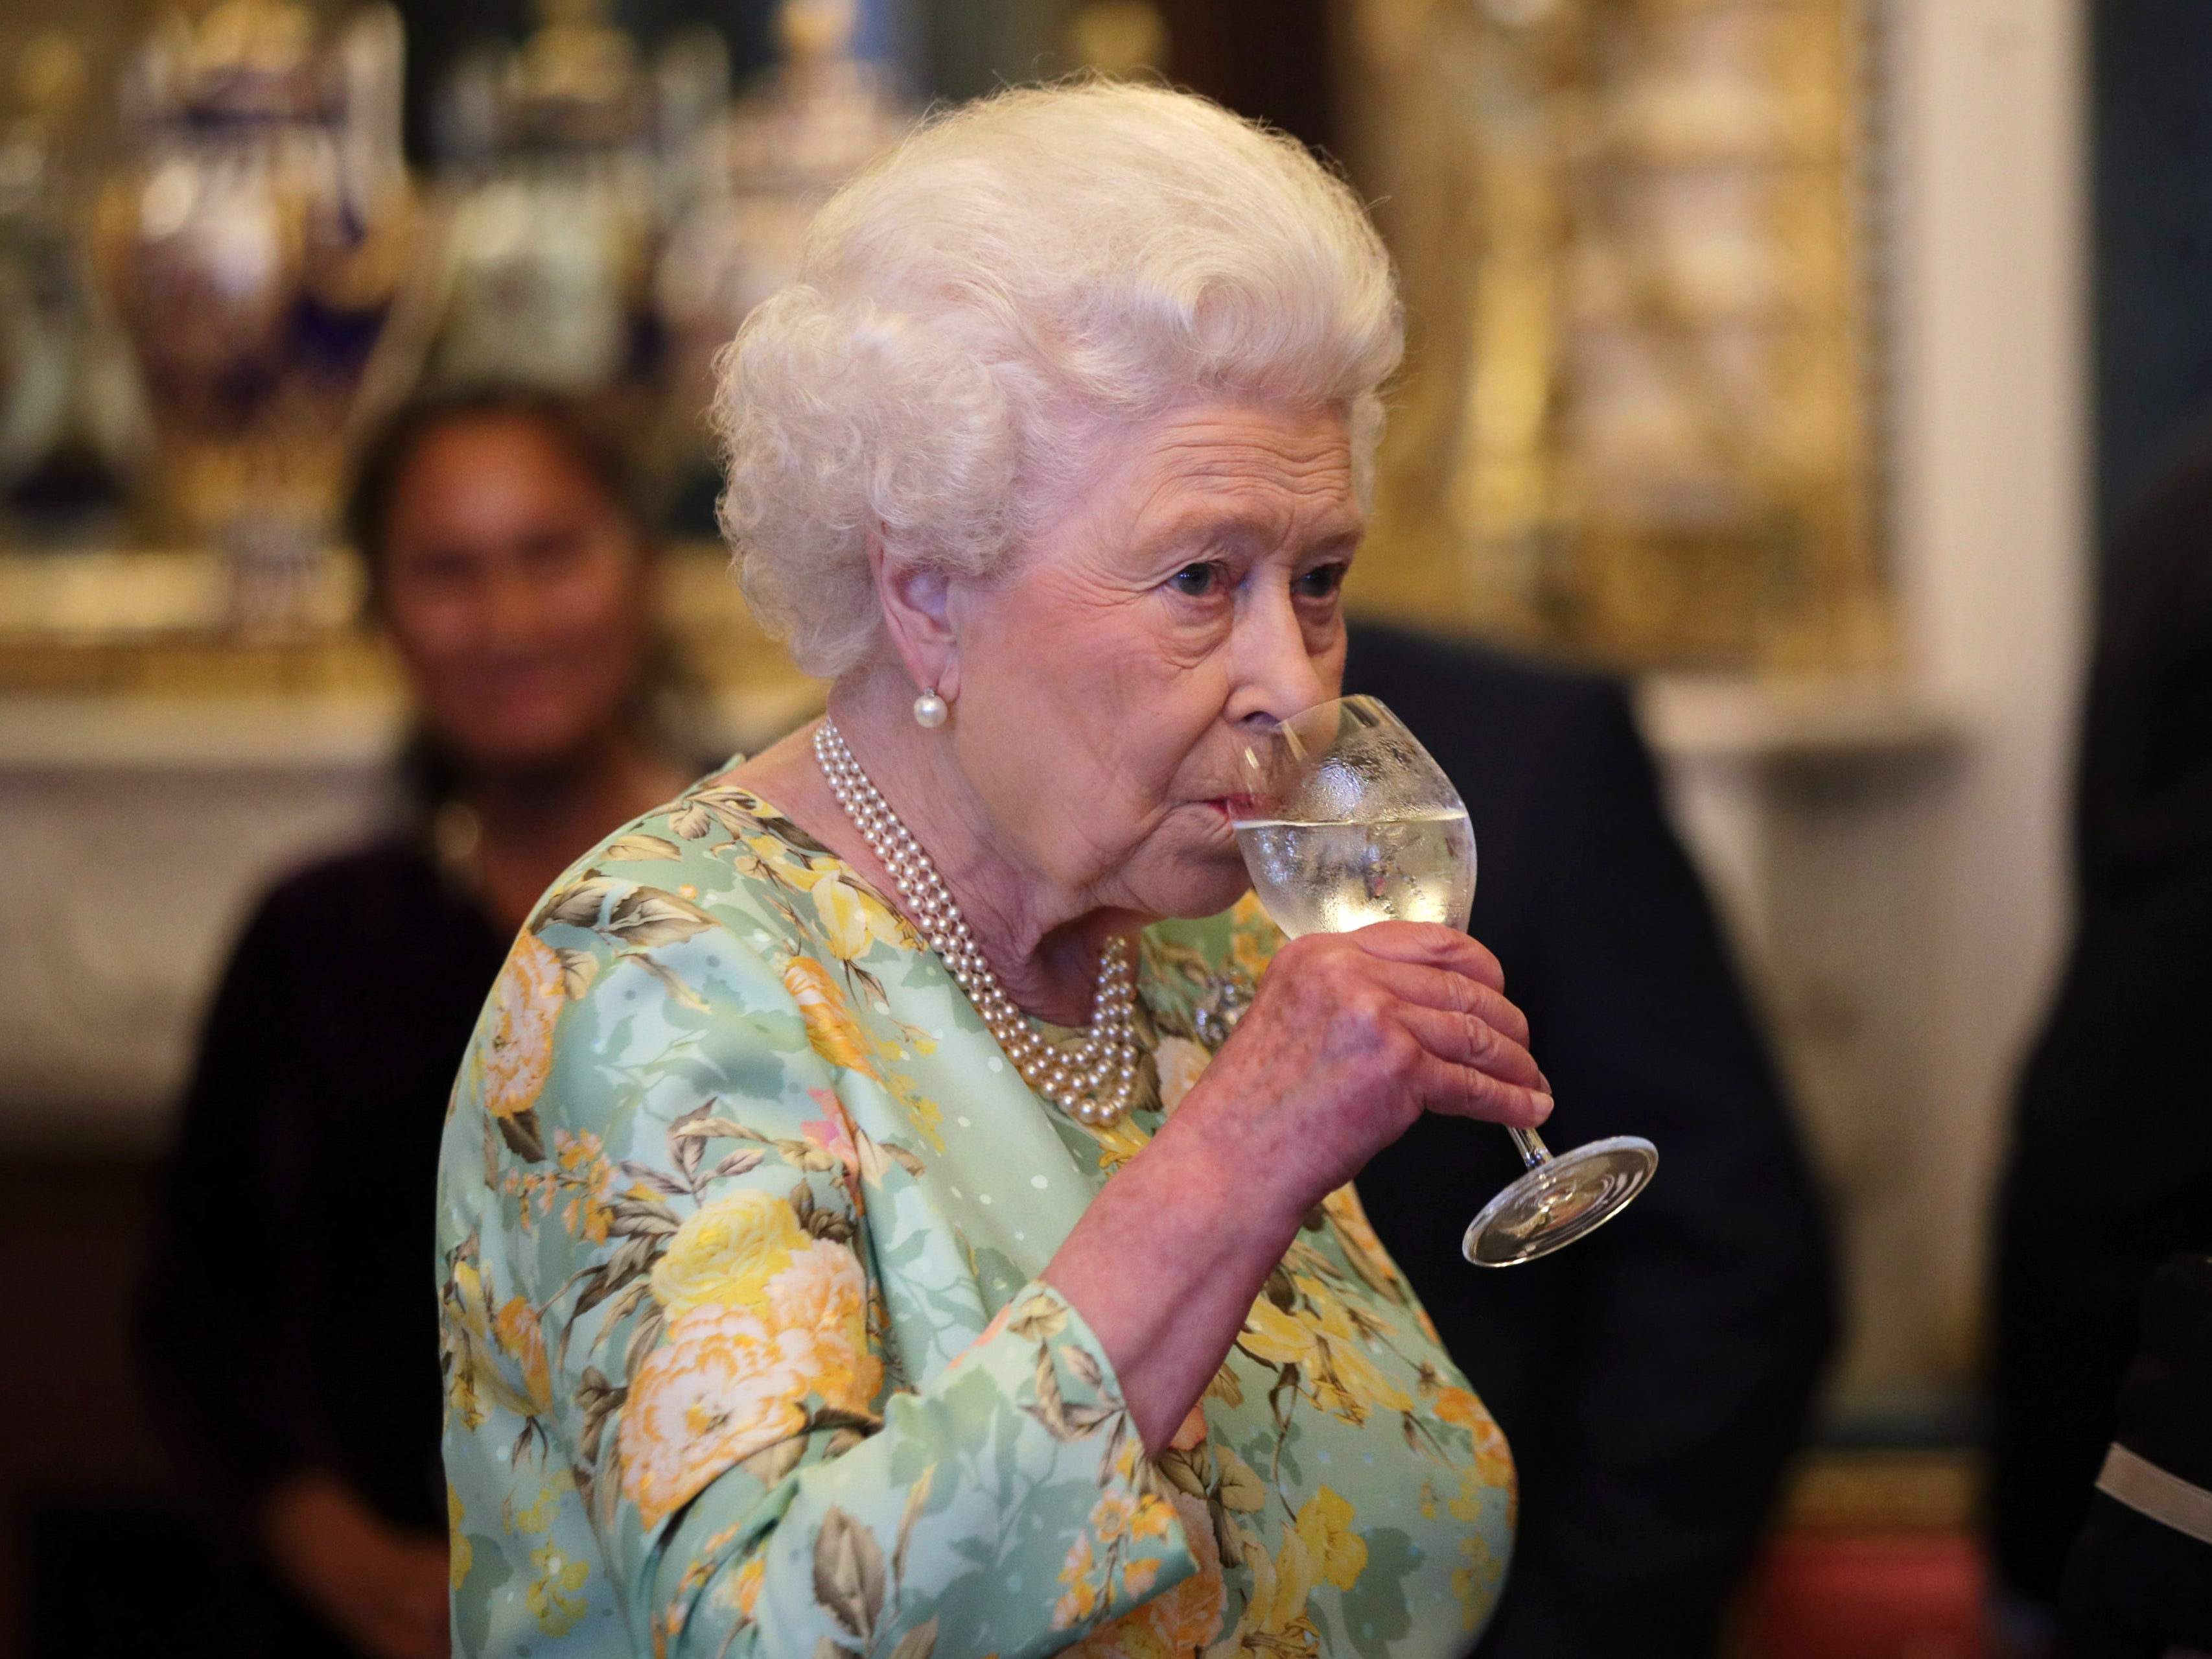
(1227, 811)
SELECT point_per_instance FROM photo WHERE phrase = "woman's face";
(514, 590)
(1188, 597)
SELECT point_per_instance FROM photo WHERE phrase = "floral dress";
(741, 1214)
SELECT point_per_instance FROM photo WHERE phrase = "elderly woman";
(867, 1225)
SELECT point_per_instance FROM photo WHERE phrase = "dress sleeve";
(668, 1347)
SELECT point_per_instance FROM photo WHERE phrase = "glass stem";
(1530, 1145)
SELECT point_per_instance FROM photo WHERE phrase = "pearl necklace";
(1094, 1083)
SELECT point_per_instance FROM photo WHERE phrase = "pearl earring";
(930, 709)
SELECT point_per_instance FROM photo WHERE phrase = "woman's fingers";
(1431, 944)
(1468, 1040)
(1450, 992)
(1462, 1091)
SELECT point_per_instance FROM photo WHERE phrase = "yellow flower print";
(1118, 1143)
(1274, 1623)
(1079, 1571)
(1181, 1063)
(556, 1573)
(669, 1626)
(1476, 1583)
(829, 1024)
(460, 1554)
(1362, 1246)
(1492, 1471)
(726, 1253)
(1274, 1337)
(1459, 1407)
(1338, 1553)
(1182, 1622)
(706, 1560)
(1122, 1513)
(1110, 1516)
(1320, 1547)
(745, 1587)
(722, 1385)
(1320, 1339)
(472, 1350)
(852, 920)
(540, 1516)
(1493, 1458)
(527, 1001)
(463, 1402)
(1253, 938)
(819, 1305)
(583, 1159)
(519, 1335)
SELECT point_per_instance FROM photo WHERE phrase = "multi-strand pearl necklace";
(1093, 1082)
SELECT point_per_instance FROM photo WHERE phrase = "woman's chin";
(1197, 883)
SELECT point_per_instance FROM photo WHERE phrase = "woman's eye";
(1196, 581)
(1320, 583)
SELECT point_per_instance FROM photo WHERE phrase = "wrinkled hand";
(1351, 1037)
(383, 1588)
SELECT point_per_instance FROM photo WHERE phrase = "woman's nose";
(1277, 674)
(511, 614)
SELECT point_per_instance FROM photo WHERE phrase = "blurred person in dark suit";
(2111, 1167)
(2138, 1583)
(1654, 1378)
(299, 1358)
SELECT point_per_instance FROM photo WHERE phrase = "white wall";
(1892, 856)
(1991, 541)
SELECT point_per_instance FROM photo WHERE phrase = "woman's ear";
(916, 601)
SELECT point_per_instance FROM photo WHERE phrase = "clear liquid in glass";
(1350, 821)
(1333, 877)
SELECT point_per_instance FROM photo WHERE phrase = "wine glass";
(1347, 821)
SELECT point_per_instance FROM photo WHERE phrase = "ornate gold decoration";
(1636, 423)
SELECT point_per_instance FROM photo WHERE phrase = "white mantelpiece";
(136, 833)
(1809, 807)
(1899, 876)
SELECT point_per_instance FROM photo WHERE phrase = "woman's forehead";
(1236, 439)
(1240, 462)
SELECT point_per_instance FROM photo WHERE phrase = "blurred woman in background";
(298, 1356)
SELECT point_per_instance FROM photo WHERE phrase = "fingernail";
(1543, 1108)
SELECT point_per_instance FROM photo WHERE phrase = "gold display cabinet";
(1637, 424)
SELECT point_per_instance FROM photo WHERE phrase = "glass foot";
(1558, 1201)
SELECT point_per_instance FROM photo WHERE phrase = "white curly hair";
(977, 309)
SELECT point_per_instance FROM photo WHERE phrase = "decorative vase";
(256, 246)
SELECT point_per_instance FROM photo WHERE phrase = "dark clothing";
(283, 1337)
(2111, 1168)
(2135, 1588)
(1654, 1378)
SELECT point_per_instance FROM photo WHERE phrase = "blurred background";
(1794, 357)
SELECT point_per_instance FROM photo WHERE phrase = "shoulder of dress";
(717, 856)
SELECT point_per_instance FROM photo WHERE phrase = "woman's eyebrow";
(1219, 519)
